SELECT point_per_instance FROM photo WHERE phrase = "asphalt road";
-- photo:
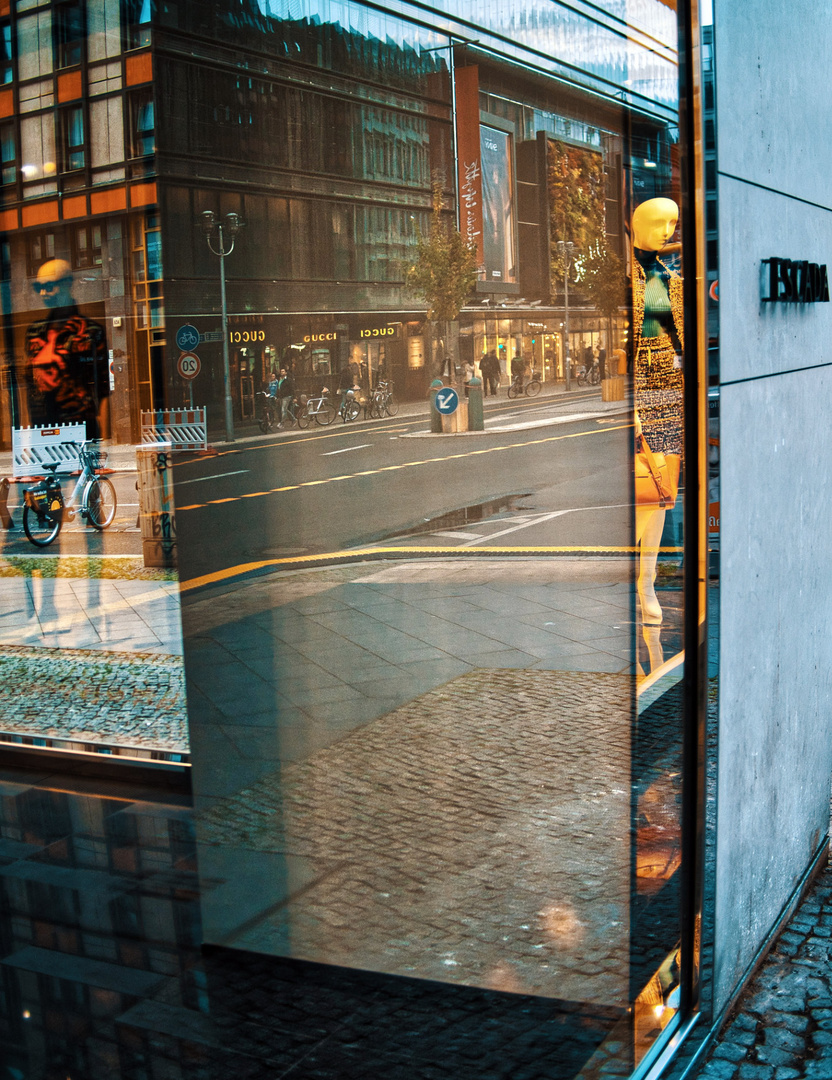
(328, 490)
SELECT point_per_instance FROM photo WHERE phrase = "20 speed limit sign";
(189, 365)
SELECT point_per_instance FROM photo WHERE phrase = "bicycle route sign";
(187, 338)
(189, 365)
(447, 400)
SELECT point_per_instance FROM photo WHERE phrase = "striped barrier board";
(35, 447)
(183, 429)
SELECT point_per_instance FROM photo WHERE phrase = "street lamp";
(228, 230)
(565, 249)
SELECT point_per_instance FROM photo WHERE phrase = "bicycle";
(268, 418)
(321, 409)
(591, 377)
(44, 509)
(350, 406)
(530, 389)
(383, 401)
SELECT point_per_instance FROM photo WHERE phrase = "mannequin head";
(654, 222)
(54, 283)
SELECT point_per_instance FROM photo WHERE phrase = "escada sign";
(793, 281)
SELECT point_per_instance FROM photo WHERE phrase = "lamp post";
(228, 230)
(565, 249)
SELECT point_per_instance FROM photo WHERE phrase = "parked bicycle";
(350, 406)
(383, 401)
(531, 388)
(93, 498)
(321, 409)
(270, 418)
(592, 376)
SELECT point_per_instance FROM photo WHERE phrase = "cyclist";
(518, 370)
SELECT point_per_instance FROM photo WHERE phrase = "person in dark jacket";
(284, 395)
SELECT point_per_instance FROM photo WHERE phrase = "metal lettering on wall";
(795, 281)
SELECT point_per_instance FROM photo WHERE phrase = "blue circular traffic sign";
(187, 338)
(447, 400)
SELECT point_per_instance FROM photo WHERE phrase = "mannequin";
(658, 342)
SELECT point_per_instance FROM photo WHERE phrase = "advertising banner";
(497, 205)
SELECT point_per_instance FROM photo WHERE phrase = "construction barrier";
(178, 429)
(33, 448)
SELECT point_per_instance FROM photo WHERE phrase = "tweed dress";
(659, 382)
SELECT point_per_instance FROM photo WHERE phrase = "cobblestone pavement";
(478, 834)
(782, 1027)
(90, 660)
(86, 695)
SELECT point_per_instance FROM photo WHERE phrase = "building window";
(70, 31)
(86, 246)
(40, 247)
(6, 64)
(8, 154)
(72, 138)
(142, 124)
(138, 15)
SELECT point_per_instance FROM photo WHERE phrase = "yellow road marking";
(412, 464)
(437, 552)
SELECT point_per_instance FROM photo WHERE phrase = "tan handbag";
(657, 477)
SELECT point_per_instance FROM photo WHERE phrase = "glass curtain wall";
(90, 638)
(438, 705)
(436, 676)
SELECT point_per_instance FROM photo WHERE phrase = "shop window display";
(435, 660)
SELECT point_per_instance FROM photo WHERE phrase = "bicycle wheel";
(266, 421)
(325, 414)
(581, 378)
(376, 407)
(353, 409)
(303, 417)
(595, 376)
(391, 405)
(512, 390)
(532, 388)
(100, 501)
(42, 528)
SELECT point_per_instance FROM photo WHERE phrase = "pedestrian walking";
(490, 368)
(284, 393)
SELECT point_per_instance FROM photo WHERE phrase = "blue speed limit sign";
(447, 400)
(187, 338)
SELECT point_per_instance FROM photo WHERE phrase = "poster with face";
(497, 205)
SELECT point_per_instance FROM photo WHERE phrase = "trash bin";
(157, 513)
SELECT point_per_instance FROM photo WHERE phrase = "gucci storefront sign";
(795, 281)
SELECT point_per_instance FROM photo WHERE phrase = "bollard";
(156, 508)
(5, 516)
(435, 417)
(475, 416)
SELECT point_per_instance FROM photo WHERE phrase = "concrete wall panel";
(775, 741)
(773, 122)
(763, 339)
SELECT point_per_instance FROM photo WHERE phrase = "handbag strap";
(655, 472)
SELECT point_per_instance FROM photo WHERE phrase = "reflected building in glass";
(438, 725)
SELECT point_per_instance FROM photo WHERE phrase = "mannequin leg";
(649, 528)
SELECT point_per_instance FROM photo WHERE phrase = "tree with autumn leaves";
(577, 196)
(443, 274)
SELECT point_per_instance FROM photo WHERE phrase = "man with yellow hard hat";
(66, 353)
